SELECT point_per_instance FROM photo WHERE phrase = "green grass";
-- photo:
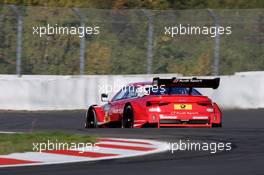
(22, 142)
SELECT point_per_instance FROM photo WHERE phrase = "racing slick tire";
(128, 117)
(91, 120)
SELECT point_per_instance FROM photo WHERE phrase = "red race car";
(160, 103)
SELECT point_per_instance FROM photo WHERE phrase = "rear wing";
(187, 82)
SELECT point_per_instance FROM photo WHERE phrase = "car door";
(116, 110)
(130, 96)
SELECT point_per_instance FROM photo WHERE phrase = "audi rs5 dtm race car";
(160, 103)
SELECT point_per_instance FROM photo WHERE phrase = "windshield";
(173, 91)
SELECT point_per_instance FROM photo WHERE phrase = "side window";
(132, 92)
(195, 92)
(120, 95)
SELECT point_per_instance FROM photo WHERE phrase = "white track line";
(7, 132)
(44, 157)
(127, 144)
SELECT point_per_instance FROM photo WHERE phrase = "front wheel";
(91, 120)
(128, 117)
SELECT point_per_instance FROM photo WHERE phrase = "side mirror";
(104, 97)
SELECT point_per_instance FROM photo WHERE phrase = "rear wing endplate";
(187, 82)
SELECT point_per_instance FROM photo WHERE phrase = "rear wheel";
(128, 117)
(91, 120)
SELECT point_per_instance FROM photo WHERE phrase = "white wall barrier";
(78, 92)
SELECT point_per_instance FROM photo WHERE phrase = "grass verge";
(22, 142)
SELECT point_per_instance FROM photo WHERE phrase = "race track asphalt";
(243, 128)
